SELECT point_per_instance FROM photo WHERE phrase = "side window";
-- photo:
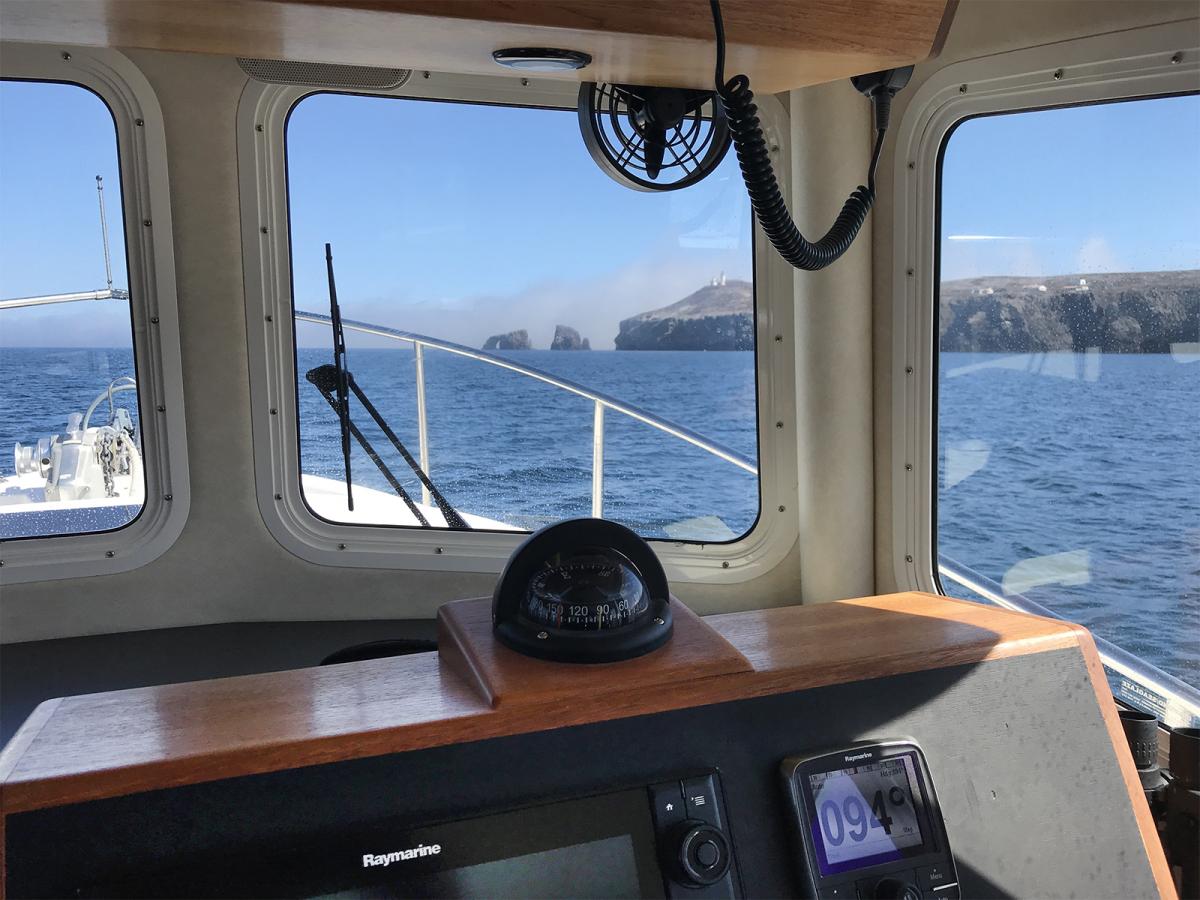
(1068, 374)
(528, 340)
(69, 423)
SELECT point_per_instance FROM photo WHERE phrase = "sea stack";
(567, 338)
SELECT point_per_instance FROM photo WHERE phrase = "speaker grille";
(283, 71)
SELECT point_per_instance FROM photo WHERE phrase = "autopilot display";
(868, 824)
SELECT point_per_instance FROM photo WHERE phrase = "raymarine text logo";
(386, 859)
(855, 757)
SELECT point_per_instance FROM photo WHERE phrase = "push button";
(700, 800)
(939, 875)
(666, 800)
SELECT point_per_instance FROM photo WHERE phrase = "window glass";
(69, 427)
(490, 228)
(1068, 390)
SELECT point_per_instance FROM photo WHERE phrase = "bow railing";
(600, 402)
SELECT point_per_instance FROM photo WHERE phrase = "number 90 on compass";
(593, 590)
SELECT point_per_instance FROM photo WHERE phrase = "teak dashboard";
(85, 748)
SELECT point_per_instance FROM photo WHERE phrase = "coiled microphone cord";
(765, 196)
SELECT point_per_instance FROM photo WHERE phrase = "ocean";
(1085, 462)
(1089, 462)
(505, 446)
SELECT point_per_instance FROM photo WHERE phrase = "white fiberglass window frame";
(1145, 62)
(142, 155)
(1155, 61)
(262, 125)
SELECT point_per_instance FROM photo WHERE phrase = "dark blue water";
(1093, 460)
(41, 387)
(1090, 460)
(510, 448)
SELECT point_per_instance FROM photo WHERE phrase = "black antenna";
(339, 364)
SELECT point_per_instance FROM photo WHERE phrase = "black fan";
(652, 138)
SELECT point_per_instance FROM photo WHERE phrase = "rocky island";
(719, 316)
(567, 338)
(1119, 312)
(514, 340)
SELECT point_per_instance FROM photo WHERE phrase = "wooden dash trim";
(9, 758)
(11, 755)
(106, 745)
(500, 675)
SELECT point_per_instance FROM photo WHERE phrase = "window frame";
(262, 123)
(1155, 61)
(145, 200)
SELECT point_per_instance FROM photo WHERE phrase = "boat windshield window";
(530, 333)
(1068, 378)
(69, 424)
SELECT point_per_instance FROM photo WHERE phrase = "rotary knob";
(702, 854)
(895, 889)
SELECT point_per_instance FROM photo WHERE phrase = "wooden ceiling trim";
(780, 44)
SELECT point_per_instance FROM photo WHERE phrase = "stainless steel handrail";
(1176, 693)
(600, 401)
(20, 302)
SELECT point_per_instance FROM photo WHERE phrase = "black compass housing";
(583, 591)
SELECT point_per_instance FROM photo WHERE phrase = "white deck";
(327, 498)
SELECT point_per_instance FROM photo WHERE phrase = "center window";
(526, 340)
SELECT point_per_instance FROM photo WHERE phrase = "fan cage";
(619, 141)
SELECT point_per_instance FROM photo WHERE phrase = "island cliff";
(719, 316)
(1120, 312)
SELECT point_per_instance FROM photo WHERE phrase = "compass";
(585, 591)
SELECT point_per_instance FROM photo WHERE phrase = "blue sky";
(462, 221)
(1103, 188)
(54, 140)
